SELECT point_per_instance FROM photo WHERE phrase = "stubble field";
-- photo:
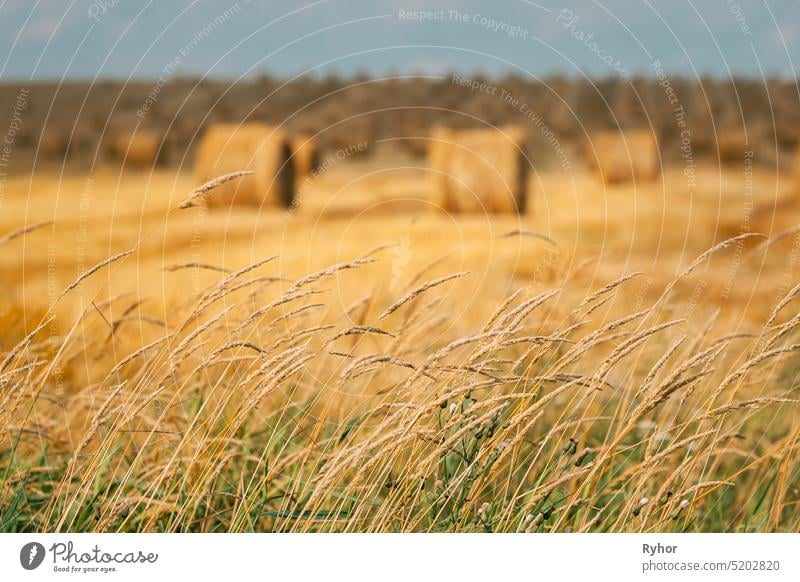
(619, 358)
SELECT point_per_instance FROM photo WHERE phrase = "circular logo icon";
(31, 555)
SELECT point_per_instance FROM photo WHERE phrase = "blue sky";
(68, 39)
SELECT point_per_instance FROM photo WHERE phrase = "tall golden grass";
(263, 405)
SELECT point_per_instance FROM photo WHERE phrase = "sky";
(146, 39)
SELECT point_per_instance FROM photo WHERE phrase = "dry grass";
(331, 370)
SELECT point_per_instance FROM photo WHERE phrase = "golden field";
(596, 364)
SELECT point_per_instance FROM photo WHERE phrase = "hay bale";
(59, 143)
(479, 170)
(732, 145)
(137, 148)
(176, 147)
(623, 156)
(82, 144)
(760, 140)
(350, 132)
(796, 170)
(305, 156)
(253, 146)
(53, 144)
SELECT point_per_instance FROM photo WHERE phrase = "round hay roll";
(796, 170)
(305, 156)
(732, 145)
(227, 148)
(175, 148)
(592, 163)
(53, 144)
(82, 144)
(414, 144)
(137, 148)
(438, 151)
(351, 132)
(479, 170)
(624, 156)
